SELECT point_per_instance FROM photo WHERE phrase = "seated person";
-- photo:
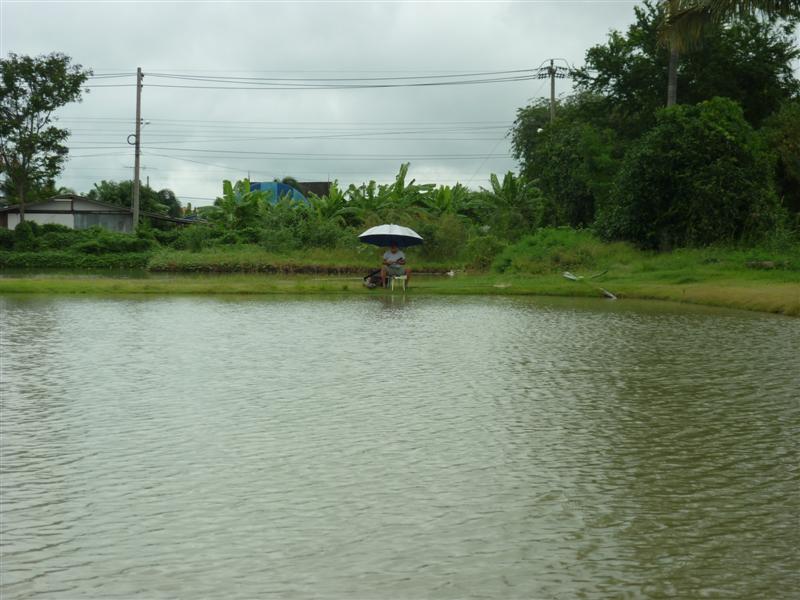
(394, 261)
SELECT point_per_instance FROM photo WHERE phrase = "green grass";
(253, 259)
(558, 250)
(762, 279)
(782, 297)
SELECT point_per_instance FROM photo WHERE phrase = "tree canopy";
(32, 149)
(747, 59)
(701, 175)
(121, 192)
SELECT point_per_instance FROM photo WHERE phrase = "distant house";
(77, 212)
(318, 188)
(278, 190)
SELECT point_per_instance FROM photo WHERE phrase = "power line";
(326, 83)
(285, 87)
(318, 79)
(323, 156)
(249, 122)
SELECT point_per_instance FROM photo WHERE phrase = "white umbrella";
(385, 235)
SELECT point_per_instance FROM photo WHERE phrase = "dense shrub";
(279, 239)
(25, 236)
(580, 168)
(194, 238)
(782, 134)
(59, 240)
(558, 249)
(7, 239)
(250, 235)
(700, 176)
(55, 228)
(482, 250)
(166, 237)
(46, 259)
(108, 242)
(319, 233)
(229, 238)
(445, 238)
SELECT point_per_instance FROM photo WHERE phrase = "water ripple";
(403, 448)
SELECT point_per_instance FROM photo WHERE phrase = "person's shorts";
(395, 270)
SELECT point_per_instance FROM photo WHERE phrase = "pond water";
(397, 448)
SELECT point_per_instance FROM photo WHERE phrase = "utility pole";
(553, 72)
(136, 182)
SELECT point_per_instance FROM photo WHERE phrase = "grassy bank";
(763, 279)
(760, 294)
(253, 259)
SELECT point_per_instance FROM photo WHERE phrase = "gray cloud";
(334, 39)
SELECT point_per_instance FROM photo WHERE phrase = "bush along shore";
(763, 278)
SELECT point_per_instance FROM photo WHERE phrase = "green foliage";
(238, 207)
(32, 150)
(446, 238)
(120, 193)
(574, 166)
(278, 239)
(50, 259)
(700, 176)
(57, 240)
(166, 237)
(170, 200)
(29, 236)
(510, 207)
(748, 60)
(26, 236)
(782, 134)
(7, 239)
(320, 233)
(194, 237)
(482, 250)
(106, 242)
(552, 250)
(54, 228)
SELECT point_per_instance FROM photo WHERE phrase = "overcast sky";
(195, 138)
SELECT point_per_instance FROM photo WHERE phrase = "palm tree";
(686, 20)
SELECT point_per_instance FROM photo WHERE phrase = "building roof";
(318, 188)
(14, 208)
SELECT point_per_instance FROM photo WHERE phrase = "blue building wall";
(277, 189)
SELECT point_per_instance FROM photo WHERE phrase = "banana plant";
(509, 207)
(456, 200)
(330, 207)
(238, 207)
(396, 202)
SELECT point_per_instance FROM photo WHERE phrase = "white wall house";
(72, 211)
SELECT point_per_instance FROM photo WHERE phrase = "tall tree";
(748, 60)
(121, 193)
(687, 20)
(782, 134)
(32, 150)
(701, 176)
(673, 40)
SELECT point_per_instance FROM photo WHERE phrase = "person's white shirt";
(392, 258)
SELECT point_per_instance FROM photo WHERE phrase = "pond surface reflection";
(397, 448)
